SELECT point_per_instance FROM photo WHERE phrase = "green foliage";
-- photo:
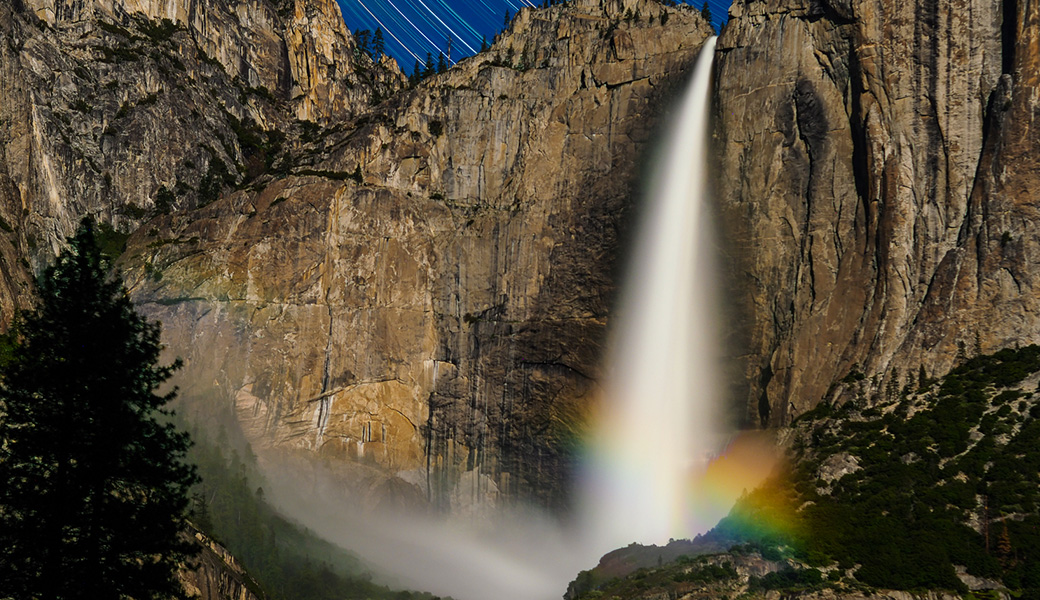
(8, 345)
(429, 69)
(309, 131)
(259, 148)
(95, 486)
(80, 105)
(133, 211)
(708, 573)
(119, 54)
(362, 37)
(151, 272)
(416, 75)
(113, 29)
(787, 580)
(159, 31)
(217, 177)
(164, 200)
(110, 241)
(666, 580)
(928, 466)
(337, 175)
(378, 44)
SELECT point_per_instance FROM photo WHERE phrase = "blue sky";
(411, 28)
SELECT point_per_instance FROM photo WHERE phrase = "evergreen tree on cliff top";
(93, 487)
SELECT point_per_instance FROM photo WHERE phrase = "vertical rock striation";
(216, 575)
(407, 287)
(870, 223)
(128, 109)
(419, 305)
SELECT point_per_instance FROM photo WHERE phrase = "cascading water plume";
(658, 429)
(660, 423)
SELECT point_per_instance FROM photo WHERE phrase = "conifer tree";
(94, 488)
(429, 69)
(416, 76)
(363, 37)
(378, 43)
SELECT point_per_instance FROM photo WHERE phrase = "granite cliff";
(880, 155)
(406, 287)
(216, 574)
(421, 300)
(127, 110)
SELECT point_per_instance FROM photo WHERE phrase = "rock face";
(216, 574)
(412, 286)
(421, 303)
(128, 109)
(408, 288)
(881, 209)
(295, 50)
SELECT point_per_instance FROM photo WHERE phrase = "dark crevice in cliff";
(764, 407)
(1008, 37)
(926, 39)
(992, 124)
(857, 121)
(813, 129)
(284, 91)
(824, 9)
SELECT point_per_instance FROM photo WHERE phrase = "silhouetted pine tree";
(94, 488)
(416, 76)
(363, 37)
(429, 69)
(378, 43)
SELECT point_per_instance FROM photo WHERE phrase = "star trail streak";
(414, 28)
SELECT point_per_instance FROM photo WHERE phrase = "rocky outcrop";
(128, 109)
(296, 50)
(701, 573)
(420, 303)
(880, 208)
(407, 287)
(214, 574)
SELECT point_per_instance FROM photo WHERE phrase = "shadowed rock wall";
(418, 306)
(880, 190)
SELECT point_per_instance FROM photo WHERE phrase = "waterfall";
(657, 429)
(659, 421)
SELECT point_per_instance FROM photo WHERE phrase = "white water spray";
(657, 430)
(660, 423)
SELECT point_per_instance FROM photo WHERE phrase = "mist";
(517, 554)
(648, 476)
